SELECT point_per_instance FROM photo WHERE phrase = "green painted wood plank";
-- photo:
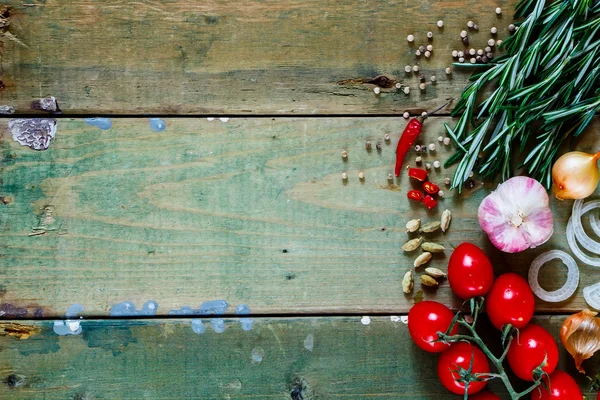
(251, 211)
(319, 358)
(223, 57)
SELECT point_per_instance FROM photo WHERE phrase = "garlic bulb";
(575, 175)
(516, 215)
(580, 334)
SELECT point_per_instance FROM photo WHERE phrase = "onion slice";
(591, 294)
(578, 210)
(571, 235)
(567, 289)
(595, 223)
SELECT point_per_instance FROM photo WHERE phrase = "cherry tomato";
(510, 301)
(470, 272)
(425, 320)
(458, 355)
(485, 396)
(528, 350)
(561, 387)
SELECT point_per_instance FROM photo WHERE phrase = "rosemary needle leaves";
(547, 89)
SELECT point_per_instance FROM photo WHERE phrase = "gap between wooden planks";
(251, 211)
(245, 57)
(281, 358)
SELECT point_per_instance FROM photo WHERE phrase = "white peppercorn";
(427, 166)
(433, 78)
(447, 181)
(406, 115)
(424, 114)
(429, 47)
(441, 193)
(461, 53)
(473, 60)
(498, 10)
(461, 60)
(463, 34)
(406, 90)
(470, 24)
(410, 38)
(480, 52)
(446, 141)
(440, 23)
(454, 53)
(429, 35)
(488, 49)
(398, 85)
(427, 54)
(422, 86)
(431, 147)
(440, 138)
(415, 68)
(377, 90)
(407, 69)
(472, 52)
(418, 53)
(448, 71)
(491, 42)
(512, 28)
(493, 30)
(436, 164)
(419, 159)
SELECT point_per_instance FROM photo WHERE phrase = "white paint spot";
(365, 320)
(224, 119)
(257, 355)
(210, 118)
(395, 318)
(309, 342)
(404, 319)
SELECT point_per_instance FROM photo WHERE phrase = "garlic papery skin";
(580, 334)
(575, 175)
(516, 216)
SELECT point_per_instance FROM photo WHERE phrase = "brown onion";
(580, 334)
(575, 175)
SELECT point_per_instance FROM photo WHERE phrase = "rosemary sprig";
(547, 90)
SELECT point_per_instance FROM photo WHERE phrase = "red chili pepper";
(415, 195)
(429, 202)
(431, 188)
(417, 173)
(410, 134)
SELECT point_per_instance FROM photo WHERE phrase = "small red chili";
(431, 188)
(415, 195)
(417, 173)
(429, 202)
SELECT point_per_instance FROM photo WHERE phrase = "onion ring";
(578, 210)
(571, 235)
(592, 295)
(595, 223)
(567, 289)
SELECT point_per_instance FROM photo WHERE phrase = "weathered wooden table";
(238, 199)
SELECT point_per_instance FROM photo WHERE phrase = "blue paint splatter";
(185, 310)
(128, 309)
(102, 123)
(198, 326)
(157, 124)
(74, 310)
(257, 355)
(243, 309)
(218, 325)
(69, 326)
(213, 307)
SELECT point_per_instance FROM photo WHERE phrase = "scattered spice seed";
(406, 115)
(422, 48)
(413, 225)
(454, 53)
(434, 272)
(431, 146)
(408, 282)
(429, 35)
(428, 166)
(491, 42)
(412, 244)
(478, 59)
(498, 42)
(429, 47)
(344, 154)
(368, 145)
(377, 90)
(461, 53)
(387, 137)
(472, 52)
(448, 71)
(488, 49)
(436, 164)
(494, 30)
(361, 175)
(461, 60)
(489, 55)
(445, 220)
(433, 78)
(441, 193)
(410, 38)
(498, 10)
(484, 60)
(463, 34)
(390, 177)
(422, 77)
(470, 24)
(427, 54)
(422, 259)
(398, 85)
(344, 176)
(418, 160)
(440, 23)
(408, 69)
(431, 227)
(440, 138)
(415, 68)
(433, 247)
(465, 40)
(406, 90)
(446, 141)
(418, 147)
(473, 60)
(418, 53)
(512, 28)
(428, 281)
(422, 86)
(476, 27)
(424, 114)
(447, 181)
(480, 52)
(378, 146)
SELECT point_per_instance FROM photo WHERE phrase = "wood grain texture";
(133, 359)
(235, 57)
(250, 211)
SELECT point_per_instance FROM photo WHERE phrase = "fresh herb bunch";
(548, 89)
